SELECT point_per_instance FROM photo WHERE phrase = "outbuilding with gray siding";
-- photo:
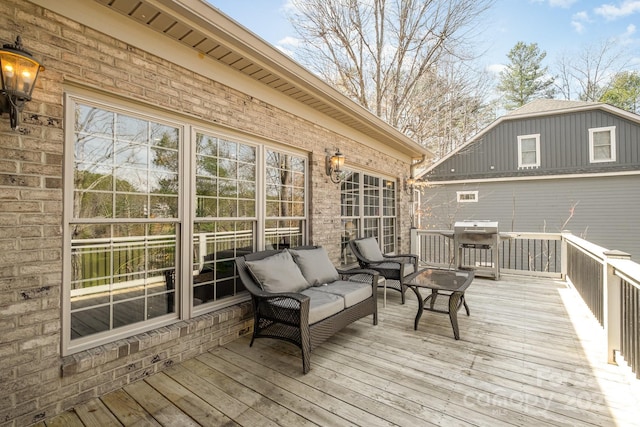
(546, 167)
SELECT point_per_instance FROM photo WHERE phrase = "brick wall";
(36, 382)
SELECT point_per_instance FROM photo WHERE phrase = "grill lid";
(476, 226)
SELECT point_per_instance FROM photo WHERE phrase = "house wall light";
(334, 164)
(19, 71)
(409, 185)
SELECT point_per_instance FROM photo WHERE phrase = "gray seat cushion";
(278, 273)
(315, 265)
(322, 304)
(352, 292)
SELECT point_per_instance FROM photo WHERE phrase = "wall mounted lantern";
(334, 164)
(19, 71)
(409, 185)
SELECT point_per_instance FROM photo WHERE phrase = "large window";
(124, 225)
(529, 151)
(602, 144)
(155, 213)
(368, 209)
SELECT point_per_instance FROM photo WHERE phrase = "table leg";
(454, 305)
(420, 306)
(385, 294)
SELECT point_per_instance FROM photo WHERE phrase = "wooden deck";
(529, 355)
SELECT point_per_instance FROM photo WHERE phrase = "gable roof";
(537, 108)
(209, 33)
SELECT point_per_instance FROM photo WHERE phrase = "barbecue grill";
(478, 234)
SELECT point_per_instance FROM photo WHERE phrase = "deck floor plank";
(530, 354)
(127, 410)
(95, 413)
(65, 419)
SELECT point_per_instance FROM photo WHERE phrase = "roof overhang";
(207, 31)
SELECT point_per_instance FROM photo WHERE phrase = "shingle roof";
(549, 105)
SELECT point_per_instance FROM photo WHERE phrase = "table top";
(440, 279)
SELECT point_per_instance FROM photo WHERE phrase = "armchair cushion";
(278, 273)
(369, 249)
(315, 265)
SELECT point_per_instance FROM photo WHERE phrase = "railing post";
(414, 241)
(612, 288)
(564, 262)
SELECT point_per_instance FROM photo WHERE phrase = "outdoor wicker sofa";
(298, 296)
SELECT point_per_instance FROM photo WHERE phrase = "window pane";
(602, 145)
(117, 165)
(115, 270)
(285, 185)
(529, 158)
(215, 247)
(284, 233)
(225, 181)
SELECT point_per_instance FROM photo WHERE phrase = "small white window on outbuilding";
(529, 151)
(602, 144)
(467, 196)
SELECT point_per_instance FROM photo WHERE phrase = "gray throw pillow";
(369, 249)
(315, 265)
(278, 273)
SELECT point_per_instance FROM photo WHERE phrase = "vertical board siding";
(564, 147)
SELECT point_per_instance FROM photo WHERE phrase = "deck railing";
(608, 281)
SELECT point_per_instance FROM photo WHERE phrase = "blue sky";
(556, 25)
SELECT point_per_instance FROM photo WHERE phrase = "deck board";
(530, 354)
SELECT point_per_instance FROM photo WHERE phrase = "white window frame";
(461, 199)
(521, 163)
(184, 221)
(612, 142)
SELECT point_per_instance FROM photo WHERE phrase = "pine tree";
(525, 79)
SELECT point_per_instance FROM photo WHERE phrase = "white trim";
(535, 178)
(474, 193)
(612, 143)
(521, 138)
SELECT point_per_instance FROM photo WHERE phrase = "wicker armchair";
(285, 315)
(394, 268)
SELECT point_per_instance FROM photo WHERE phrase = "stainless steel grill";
(482, 235)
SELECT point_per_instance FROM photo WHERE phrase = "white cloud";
(631, 29)
(561, 3)
(496, 68)
(578, 21)
(578, 27)
(627, 38)
(288, 45)
(611, 11)
(289, 41)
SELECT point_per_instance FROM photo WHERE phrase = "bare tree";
(585, 74)
(386, 54)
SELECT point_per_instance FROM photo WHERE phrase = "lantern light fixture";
(18, 72)
(334, 164)
(409, 185)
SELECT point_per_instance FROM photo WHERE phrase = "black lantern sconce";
(409, 185)
(334, 164)
(18, 71)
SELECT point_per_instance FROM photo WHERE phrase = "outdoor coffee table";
(451, 283)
